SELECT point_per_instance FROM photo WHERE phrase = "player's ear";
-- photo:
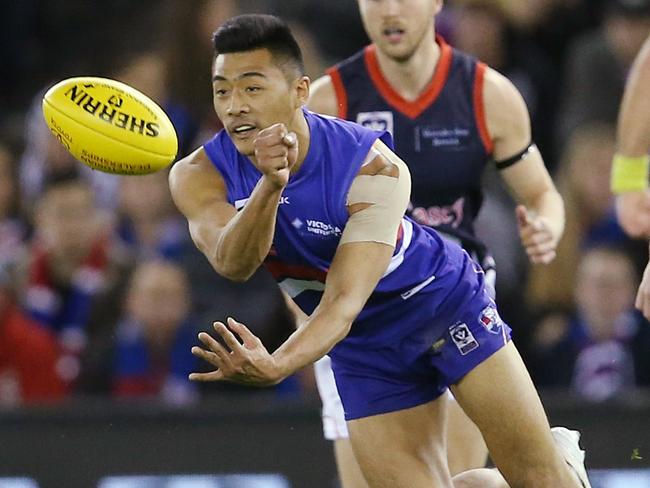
(301, 88)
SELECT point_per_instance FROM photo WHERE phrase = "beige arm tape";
(389, 197)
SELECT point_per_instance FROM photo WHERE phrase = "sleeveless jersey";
(312, 215)
(442, 136)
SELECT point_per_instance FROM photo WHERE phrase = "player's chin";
(399, 52)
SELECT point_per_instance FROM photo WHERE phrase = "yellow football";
(110, 126)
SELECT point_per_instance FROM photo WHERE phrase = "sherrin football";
(110, 126)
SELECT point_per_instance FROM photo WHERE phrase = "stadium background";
(74, 411)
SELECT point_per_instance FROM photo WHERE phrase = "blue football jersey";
(312, 215)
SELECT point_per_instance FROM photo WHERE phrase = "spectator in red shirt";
(29, 355)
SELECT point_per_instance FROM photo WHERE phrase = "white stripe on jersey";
(294, 287)
(408, 294)
(239, 204)
(397, 259)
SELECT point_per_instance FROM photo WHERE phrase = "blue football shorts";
(443, 332)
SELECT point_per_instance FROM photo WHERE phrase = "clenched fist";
(276, 151)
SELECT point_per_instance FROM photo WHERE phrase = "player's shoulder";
(322, 96)
(194, 161)
(499, 89)
(195, 168)
(328, 93)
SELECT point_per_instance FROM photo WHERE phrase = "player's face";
(397, 27)
(251, 92)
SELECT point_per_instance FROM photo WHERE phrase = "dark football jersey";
(442, 136)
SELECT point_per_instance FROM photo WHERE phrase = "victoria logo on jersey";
(322, 228)
(379, 121)
(317, 227)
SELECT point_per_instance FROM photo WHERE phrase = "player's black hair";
(259, 31)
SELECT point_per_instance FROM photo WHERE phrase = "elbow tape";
(388, 196)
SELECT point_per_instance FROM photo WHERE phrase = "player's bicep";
(377, 198)
(506, 116)
(199, 193)
(517, 158)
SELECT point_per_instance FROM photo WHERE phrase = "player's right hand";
(536, 236)
(276, 151)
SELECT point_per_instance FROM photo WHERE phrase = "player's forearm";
(634, 119)
(245, 241)
(328, 325)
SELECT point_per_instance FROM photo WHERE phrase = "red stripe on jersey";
(426, 98)
(339, 89)
(479, 108)
(282, 270)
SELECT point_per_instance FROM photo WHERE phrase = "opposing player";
(631, 162)
(403, 313)
(450, 117)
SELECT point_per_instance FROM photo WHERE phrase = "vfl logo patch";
(379, 121)
(490, 319)
(463, 338)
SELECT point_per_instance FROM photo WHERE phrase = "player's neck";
(410, 77)
(300, 126)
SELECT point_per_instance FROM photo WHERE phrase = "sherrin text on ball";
(110, 126)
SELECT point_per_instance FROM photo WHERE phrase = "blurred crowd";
(101, 289)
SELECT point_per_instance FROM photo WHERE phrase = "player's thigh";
(499, 396)
(350, 474)
(466, 448)
(403, 449)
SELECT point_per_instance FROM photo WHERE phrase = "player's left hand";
(246, 362)
(536, 236)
